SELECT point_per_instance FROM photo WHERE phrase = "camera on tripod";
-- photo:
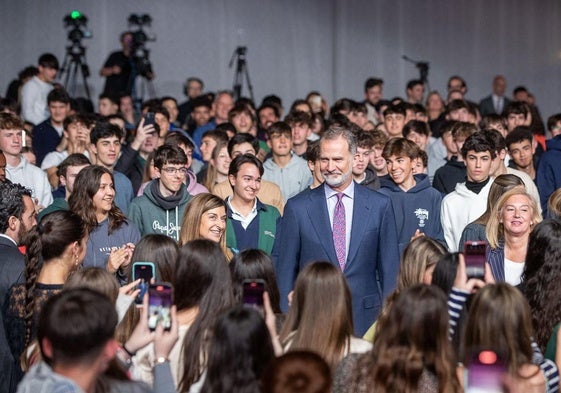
(140, 54)
(78, 23)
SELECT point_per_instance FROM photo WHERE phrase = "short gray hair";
(335, 131)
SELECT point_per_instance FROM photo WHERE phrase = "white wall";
(297, 46)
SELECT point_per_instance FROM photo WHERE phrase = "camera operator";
(117, 69)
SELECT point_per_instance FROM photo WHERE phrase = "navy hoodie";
(548, 174)
(418, 208)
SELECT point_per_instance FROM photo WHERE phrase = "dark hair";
(364, 139)
(162, 251)
(218, 135)
(553, 120)
(238, 139)
(541, 276)
(73, 119)
(28, 72)
(175, 138)
(397, 109)
(238, 109)
(414, 82)
(272, 99)
(271, 106)
(299, 102)
(255, 264)
(492, 118)
(517, 108)
(342, 105)
(519, 134)
(74, 159)
(111, 97)
(299, 117)
(297, 372)
(201, 279)
(454, 105)
(58, 95)
(8, 104)
(201, 101)
(371, 82)
(280, 128)
(420, 127)
(86, 186)
(457, 77)
(48, 60)
(168, 98)
(313, 151)
(11, 195)
(104, 129)
(44, 242)
(237, 162)
(77, 323)
(479, 142)
(168, 154)
(225, 127)
(239, 352)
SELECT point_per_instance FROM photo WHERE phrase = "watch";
(160, 360)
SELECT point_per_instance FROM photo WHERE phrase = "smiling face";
(171, 177)
(107, 150)
(222, 161)
(213, 224)
(516, 215)
(247, 183)
(104, 197)
(401, 170)
(394, 123)
(522, 153)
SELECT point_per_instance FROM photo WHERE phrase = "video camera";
(78, 24)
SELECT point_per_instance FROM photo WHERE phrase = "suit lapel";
(319, 217)
(360, 217)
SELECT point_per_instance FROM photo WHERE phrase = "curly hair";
(11, 195)
(81, 202)
(541, 277)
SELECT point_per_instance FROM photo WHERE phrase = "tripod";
(75, 62)
(140, 82)
(423, 68)
(241, 71)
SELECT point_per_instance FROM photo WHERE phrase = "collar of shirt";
(245, 220)
(9, 238)
(349, 191)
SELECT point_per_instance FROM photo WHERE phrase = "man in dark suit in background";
(496, 102)
(17, 217)
(343, 223)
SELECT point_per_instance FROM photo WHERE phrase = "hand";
(130, 289)
(417, 234)
(270, 321)
(142, 132)
(117, 258)
(116, 70)
(472, 284)
(129, 247)
(141, 336)
(165, 341)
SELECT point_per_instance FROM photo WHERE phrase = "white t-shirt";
(513, 271)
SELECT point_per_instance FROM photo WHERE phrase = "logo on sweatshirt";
(422, 216)
(166, 229)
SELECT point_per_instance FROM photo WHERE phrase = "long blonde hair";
(495, 229)
(191, 222)
(420, 254)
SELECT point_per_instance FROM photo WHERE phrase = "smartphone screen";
(145, 271)
(485, 373)
(149, 118)
(253, 290)
(474, 253)
(160, 300)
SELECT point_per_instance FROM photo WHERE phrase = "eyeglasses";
(172, 171)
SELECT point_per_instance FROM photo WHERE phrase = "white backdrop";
(297, 46)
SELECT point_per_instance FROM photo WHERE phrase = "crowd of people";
(353, 217)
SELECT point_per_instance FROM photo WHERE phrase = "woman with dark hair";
(240, 350)
(541, 278)
(255, 264)
(202, 291)
(320, 317)
(55, 249)
(112, 236)
(411, 352)
(205, 218)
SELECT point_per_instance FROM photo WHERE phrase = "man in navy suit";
(496, 102)
(17, 216)
(344, 223)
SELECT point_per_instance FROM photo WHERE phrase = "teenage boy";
(394, 120)
(34, 92)
(314, 164)
(160, 209)
(363, 172)
(376, 160)
(416, 205)
(443, 149)
(269, 192)
(66, 172)
(18, 170)
(251, 223)
(106, 146)
(469, 200)
(301, 124)
(521, 148)
(454, 171)
(285, 168)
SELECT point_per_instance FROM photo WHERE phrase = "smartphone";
(160, 300)
(474, 253)
(253, 290)
(145, 271)
(149, 118)
(485, 373)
